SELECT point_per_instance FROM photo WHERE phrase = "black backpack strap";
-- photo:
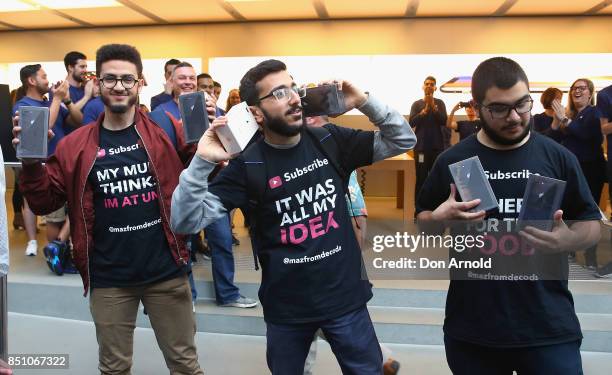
(326, 143)
(255, 169)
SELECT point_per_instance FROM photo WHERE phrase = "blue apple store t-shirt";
(604, 105)
(60, 129)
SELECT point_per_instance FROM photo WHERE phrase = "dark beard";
(119, 108)
(42, 90)
(495, 137)
(77, 78)
(280, 126)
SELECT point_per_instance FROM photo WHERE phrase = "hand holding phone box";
(472, 183)
(323, 100)
(241, 126)
(33, 138)
(194, 115)
(542, 198)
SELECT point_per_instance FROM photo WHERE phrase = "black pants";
(424, 161)
(470, 359)
(17, 197)
(594, 173)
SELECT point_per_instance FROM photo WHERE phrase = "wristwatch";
(67, 102)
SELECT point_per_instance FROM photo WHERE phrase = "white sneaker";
(242, 302)
(32, 248)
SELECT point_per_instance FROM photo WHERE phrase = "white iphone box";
(241, 126)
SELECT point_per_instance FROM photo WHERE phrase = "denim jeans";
(219, 237)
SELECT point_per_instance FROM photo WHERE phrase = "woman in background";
(548, 122)
(233, 98)
(584, 139)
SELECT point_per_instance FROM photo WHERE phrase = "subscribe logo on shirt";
(101, 153)
(275, 182)
(298, 172)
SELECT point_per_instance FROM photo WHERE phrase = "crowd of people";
(125, 199)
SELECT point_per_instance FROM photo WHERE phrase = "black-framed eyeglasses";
(284, 93)
(127, 81)
(579, 88)
(499, 111)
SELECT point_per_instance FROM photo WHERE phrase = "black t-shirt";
(130, 247)
(466, 128)
(512, 313)
(311, 262)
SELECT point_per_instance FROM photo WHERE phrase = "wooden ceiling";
(50, 14)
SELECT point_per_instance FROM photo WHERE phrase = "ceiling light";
(72, 4)
(15, 6)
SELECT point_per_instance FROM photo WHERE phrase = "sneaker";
(391, 367)
(242, 302)
(31, 248)
(18, 223)
(69, 267)
(604, 272)
(54, 254)
(206, 253)
(235, 241)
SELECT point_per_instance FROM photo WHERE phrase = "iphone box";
(241, 126)
(33, 139)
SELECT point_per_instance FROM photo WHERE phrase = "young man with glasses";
(117, 176)
(493, 326)
(311, 262)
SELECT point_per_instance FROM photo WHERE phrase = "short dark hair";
(549, 95)
(216, 84)
(499, 72)
(170, 62)
(121, 52)
(182, 64)
(72, 57)
(430, 78)
(248, 83)
(203, 75)
(27, 72)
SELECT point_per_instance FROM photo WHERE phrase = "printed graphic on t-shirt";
(308, 213)
(130, 247)
(129, 185)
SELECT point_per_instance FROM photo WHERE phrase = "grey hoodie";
(194, 207)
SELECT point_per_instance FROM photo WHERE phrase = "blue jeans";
(471, 359)
(351, 337)
(219, 237)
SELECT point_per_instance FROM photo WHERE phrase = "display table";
(403, 164)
